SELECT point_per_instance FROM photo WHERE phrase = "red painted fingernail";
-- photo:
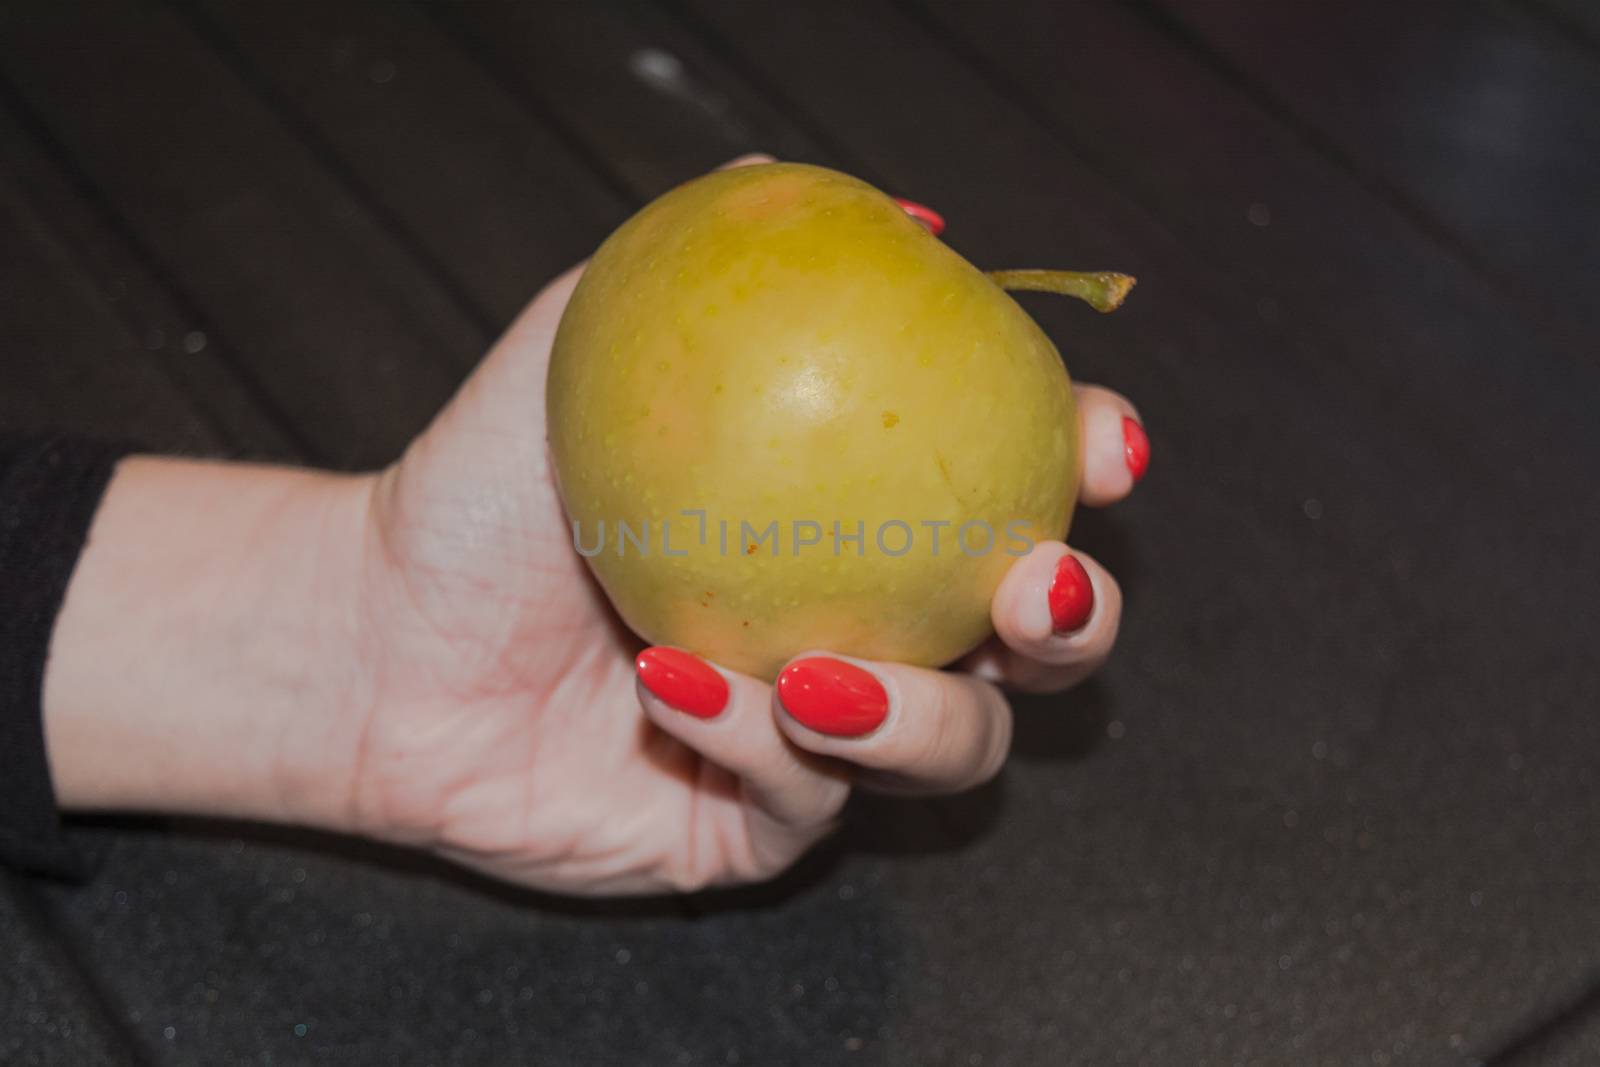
(923, 214)
(683, 681)
(1071, 596)
(1135, 447)
(833, 697)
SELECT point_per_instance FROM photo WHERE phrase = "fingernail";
(683, 681)
(749, 159)
(1071, 596)
(1135, 447)
(923, 214)
(832, 697)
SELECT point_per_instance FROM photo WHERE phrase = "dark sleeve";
(50, 487)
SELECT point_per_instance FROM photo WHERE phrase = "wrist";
(209, 655)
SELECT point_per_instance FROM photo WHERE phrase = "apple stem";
(1102, 290)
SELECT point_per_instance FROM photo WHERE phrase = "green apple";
(784, 416)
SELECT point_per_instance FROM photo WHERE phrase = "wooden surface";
(1334, 801)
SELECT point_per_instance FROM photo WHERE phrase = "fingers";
(1057, 611)
(537, 323)
(905, 729)
(1116, 451)
(536, 326)
(727, 718)
(1055, 617)
(552, 299)
(828, 723)
(750, 160)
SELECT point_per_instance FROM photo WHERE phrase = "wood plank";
(479, 187)
(1328, 410)
(1478, 119)
(630, 90)
(348, 335)
(1350, 388)
(69, 365)
(93, 342)
(594, 68)
(1384, 300)
(1581, 18)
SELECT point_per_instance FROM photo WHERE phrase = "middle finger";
(905, 729)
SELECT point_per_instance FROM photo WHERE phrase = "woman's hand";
(423, 657)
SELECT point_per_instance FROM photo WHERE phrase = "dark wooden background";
(1334, 802)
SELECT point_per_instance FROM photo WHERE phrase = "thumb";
(497, 415)
(509, 384)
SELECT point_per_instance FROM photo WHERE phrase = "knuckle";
(830, 805)
(1109, 593)
(820, 805)
(687, 877)
(967, 738)
(995, 743)
(929, 744)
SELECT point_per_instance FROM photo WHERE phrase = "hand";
(442, 671)
(507, 730)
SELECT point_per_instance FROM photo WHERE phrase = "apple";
(784, 416)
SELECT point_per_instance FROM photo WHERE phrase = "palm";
(505, 731)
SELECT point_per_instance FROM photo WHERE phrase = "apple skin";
(783, 343)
